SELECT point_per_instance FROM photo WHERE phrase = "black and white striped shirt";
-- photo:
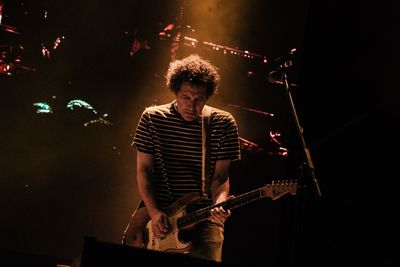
(176, 146)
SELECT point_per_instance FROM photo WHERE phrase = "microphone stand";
(296, 250)
(309, 166)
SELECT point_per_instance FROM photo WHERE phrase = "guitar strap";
(206, 114)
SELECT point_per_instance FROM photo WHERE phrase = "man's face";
(190, 101)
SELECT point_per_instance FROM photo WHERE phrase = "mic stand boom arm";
(306, 152)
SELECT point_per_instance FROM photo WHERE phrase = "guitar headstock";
(278, 188)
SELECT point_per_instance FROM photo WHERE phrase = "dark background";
(62, 181)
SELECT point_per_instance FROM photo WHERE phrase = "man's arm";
(220, 190)
(144, 170)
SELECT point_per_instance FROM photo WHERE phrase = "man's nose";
(191, 105)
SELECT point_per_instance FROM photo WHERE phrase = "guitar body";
(139, 231)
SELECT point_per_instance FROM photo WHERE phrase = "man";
(170, 156)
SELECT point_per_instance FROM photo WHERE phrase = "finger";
(228, 213)
(155, 231)
(222, 212)
(161, 224)
(162, 228)
(166, 223)
(218, 217)
(160, 231)
(221, 215)
(225, 213)
(218, 211)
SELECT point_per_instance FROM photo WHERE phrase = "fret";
(229, 204)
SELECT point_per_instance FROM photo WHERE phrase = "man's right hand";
(160, 224)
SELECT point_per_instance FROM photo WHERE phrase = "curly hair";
(195, 70)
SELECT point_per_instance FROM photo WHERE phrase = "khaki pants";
(207, 239)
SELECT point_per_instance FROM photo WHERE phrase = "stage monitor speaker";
(10, 258)
(99, 253)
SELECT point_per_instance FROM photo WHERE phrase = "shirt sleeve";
(230, 145)
(143, 140)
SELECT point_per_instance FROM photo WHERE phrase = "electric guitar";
(139, 231)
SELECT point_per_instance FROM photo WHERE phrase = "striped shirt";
(176, 146)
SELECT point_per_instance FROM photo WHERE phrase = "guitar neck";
(231, 203)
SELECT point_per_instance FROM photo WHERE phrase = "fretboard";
(203, 214)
